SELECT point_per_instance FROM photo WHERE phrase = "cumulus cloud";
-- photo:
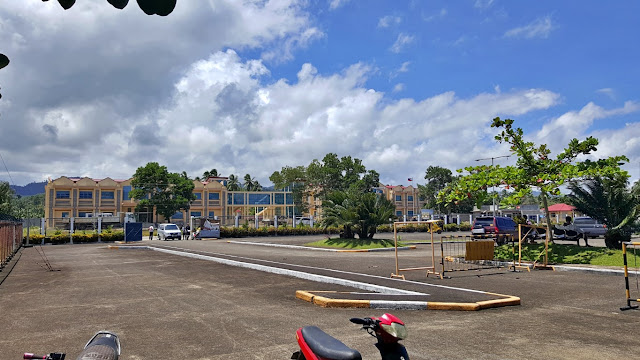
(539, 28)
(575, 124)
(402, 42)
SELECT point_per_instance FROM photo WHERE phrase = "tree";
(437, 179)
(295, 179)
(150, 7)
(29, 206)
(535, 169)
(7, 198)
(609, 202)
(155, 187)
(207, 174)
(251, 184)
(233, 184)
(356, 212)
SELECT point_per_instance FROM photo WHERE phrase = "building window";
(259, 199)
(238, 199)
(108, 195)
(85, 195)
(63, 194)
(196, 214)
(177, 215)
(398, 197)
(410, 213)
(85, 214)
(399, 213)
(212, 215)
(65, 214)
(198, 196)
(214, 196)
(125, 192)
(409, 197)
(289, 199)
(278, 199)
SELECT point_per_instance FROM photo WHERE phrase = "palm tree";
(609, 202)
(233, 184)
(208, 174)
(338, 210)
(356, 212)
(251, 184)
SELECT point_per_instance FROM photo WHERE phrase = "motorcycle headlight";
(396, 330)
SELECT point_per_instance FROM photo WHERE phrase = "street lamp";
(492, 188)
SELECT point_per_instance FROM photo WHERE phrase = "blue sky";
(252, 86)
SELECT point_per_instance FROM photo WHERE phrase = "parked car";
(303, 220)
(585, 227)
(498, 227)
(169, 231)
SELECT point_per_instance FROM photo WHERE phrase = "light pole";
(492, 188)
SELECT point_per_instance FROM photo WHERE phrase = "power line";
(7, 169)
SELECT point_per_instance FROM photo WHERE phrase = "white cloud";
(334, 4)
(483, 4)
(609, 92)
(402, 42)
(575, 124)
(402, 69)
(439, 15)
(398, 87)
(389, 20)
(539, 28)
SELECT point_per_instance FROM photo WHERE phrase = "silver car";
(589, 227)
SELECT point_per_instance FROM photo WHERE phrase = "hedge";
(78, 238)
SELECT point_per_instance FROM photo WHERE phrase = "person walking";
(150, 232)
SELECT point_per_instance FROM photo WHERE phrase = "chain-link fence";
(10, 238)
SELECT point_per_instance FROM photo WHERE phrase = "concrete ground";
(171, 307)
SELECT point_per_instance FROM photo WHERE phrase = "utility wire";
(7, 169)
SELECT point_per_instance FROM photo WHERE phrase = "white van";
(169, 231)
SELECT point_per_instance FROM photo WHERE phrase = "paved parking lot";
(171, 307)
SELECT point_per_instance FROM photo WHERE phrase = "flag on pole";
(410, 179)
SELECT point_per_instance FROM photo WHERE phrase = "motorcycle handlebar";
(365, 321)
(52, 356)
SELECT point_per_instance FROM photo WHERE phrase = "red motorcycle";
(315, 344)
(103, 345)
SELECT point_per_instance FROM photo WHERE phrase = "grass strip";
(354, 244)
(570, 254)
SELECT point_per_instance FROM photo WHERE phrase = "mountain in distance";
(33, 188)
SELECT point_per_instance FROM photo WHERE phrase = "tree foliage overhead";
(150, 7)
(535, 169)
(154, 186)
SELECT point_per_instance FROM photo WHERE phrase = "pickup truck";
(583, 227)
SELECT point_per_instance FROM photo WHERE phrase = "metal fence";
(10, 238)
(463, 253)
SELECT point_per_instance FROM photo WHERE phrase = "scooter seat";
(326, 346)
